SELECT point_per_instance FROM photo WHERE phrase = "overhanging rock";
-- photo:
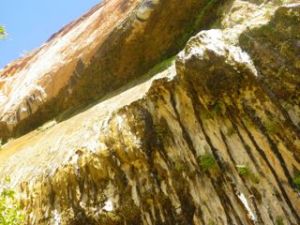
(116, 41)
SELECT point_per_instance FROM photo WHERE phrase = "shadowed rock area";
(160, 131)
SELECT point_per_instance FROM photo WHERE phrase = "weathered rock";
(275, 49)
(116, 41)
(198, 140)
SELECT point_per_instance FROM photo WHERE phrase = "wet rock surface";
(201, 138)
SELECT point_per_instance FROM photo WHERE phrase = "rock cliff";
(159, 112)
(115, 42)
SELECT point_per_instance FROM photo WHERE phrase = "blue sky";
(29, 23)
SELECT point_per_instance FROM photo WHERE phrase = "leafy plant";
(207, 162)
(246, 172)
(10, 212)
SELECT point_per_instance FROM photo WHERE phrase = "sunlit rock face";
(116, 41)
(201, 138)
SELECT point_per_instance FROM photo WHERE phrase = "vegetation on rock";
(296, 180)
(10, 211)
(246, 172)
(205, 132)
(207, 162)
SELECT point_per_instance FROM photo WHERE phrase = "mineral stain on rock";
(166, 113)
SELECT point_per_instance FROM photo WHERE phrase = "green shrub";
(10, 212)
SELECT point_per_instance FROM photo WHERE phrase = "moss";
(218, 108)
(207, 162)
(161, 66)
(203, 20)
(204, 11)
(210, 222)
(230, 131)
(180, 166)
(246, 172)
(272, 126)
(215, 109)
(279, 220)
(206, 114)
(296, 180)
(162, 130)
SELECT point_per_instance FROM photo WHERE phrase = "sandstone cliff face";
(210, 136)
(116, 41)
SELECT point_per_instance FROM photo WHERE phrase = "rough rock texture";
(116, 41)
(203, 138)
(275, 49)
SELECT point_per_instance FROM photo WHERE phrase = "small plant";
(279, 220)
(246, 172)
(296, 180)
(207, 162)
(10, 212)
